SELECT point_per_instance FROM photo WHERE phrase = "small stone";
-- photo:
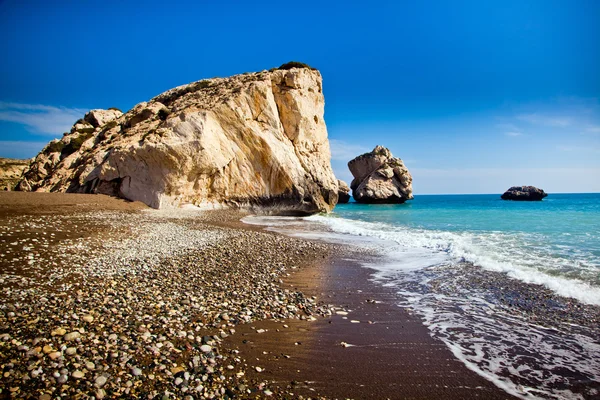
(176, 370)
(100, 381)
(54, 355)
(178, 381)
(90, 365)
(136, 371)
(62, 379)
(58, 332)
(72, 336)
(71, 351)
(258, 369)
(45, 396)
(267, 392)
(205, 348)
(87, 318)
(100, 393)
(47, 349)
(77, 374)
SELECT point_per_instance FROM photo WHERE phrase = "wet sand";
(390, 354)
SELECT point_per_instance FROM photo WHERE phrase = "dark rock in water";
(524, 193)
(380, 178)
(343, 192)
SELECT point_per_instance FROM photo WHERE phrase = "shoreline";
(173, 321)
(368, 348)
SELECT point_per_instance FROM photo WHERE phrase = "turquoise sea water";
(511, 288)
(555, 242)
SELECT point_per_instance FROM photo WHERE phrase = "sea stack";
(343, 192)
(254, 140)
(380, 178)
(524, 193)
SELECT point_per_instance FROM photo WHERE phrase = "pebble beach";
(107, 299)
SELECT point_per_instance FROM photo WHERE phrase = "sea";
(511, 288)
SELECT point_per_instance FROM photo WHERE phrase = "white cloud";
(39, 118)
(546, 120)
(579, 149)
(513, 133)
(343, 151)
(593, 129)
(20, 149)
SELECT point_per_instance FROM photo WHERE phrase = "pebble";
(72, 336)
(205, 348)
(100, 381)
(159, 294)
(58, 332)
(87, 318)
(77, 374)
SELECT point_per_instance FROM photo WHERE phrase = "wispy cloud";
(546, 120)
(579, 149)
(593, 129)
(513, 133)
(39, 118)
(343, 151)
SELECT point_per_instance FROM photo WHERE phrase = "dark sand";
(393, 357)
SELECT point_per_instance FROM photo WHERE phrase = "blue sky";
(474, 96)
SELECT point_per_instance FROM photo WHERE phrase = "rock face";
(343, 192)
(524, 193)
(380, 178)
(251, 140)
(11, 171)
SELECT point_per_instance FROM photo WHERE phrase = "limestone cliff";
(11, 171)
(257, 139)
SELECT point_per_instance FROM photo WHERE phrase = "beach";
(106, 298)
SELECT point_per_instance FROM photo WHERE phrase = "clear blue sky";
(474, 96)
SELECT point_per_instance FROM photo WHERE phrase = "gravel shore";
(103, 299)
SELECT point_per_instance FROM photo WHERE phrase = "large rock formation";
(257, 139)
(380, 178)
(11, 171)
(524, 193)
(343, 192)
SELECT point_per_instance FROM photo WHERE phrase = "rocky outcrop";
(53, 164)
(11, 171)
(251, 140)
(343, 192)
(524, 193)
(380, 178)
